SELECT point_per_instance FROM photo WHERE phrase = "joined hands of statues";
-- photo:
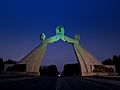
(60, 35)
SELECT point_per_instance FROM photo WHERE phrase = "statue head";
(77, 37)
(42, 36)
(59, 30)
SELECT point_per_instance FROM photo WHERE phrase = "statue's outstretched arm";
(53, 39)
(70, 40)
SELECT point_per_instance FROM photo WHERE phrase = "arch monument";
(87, 61)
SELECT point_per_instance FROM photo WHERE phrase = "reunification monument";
(88, 63)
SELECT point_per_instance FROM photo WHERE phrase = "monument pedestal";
(33, 73)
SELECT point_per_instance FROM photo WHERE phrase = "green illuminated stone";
(60, 36)
(59, 30)
(42, 36)
(77, 37)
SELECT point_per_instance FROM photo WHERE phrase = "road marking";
(58, 84)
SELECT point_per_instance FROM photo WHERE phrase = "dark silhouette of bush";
(52, 70)
(114, 61)
(49, 70)
(71, 70)
(9, 61)
(43, 70)
(108, 62)
(17, 68)
(1, 65)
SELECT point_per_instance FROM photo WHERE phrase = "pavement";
(103, 80)
(59, 83)
(17, 79)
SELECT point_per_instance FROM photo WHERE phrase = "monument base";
(98, 74)
(33, 73)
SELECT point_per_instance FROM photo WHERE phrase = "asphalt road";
(55, 83)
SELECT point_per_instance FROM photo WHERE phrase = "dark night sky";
(22, 22)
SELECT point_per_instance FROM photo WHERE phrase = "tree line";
(49, 70)
(68, 70)
(2, 63)
(115, 60)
